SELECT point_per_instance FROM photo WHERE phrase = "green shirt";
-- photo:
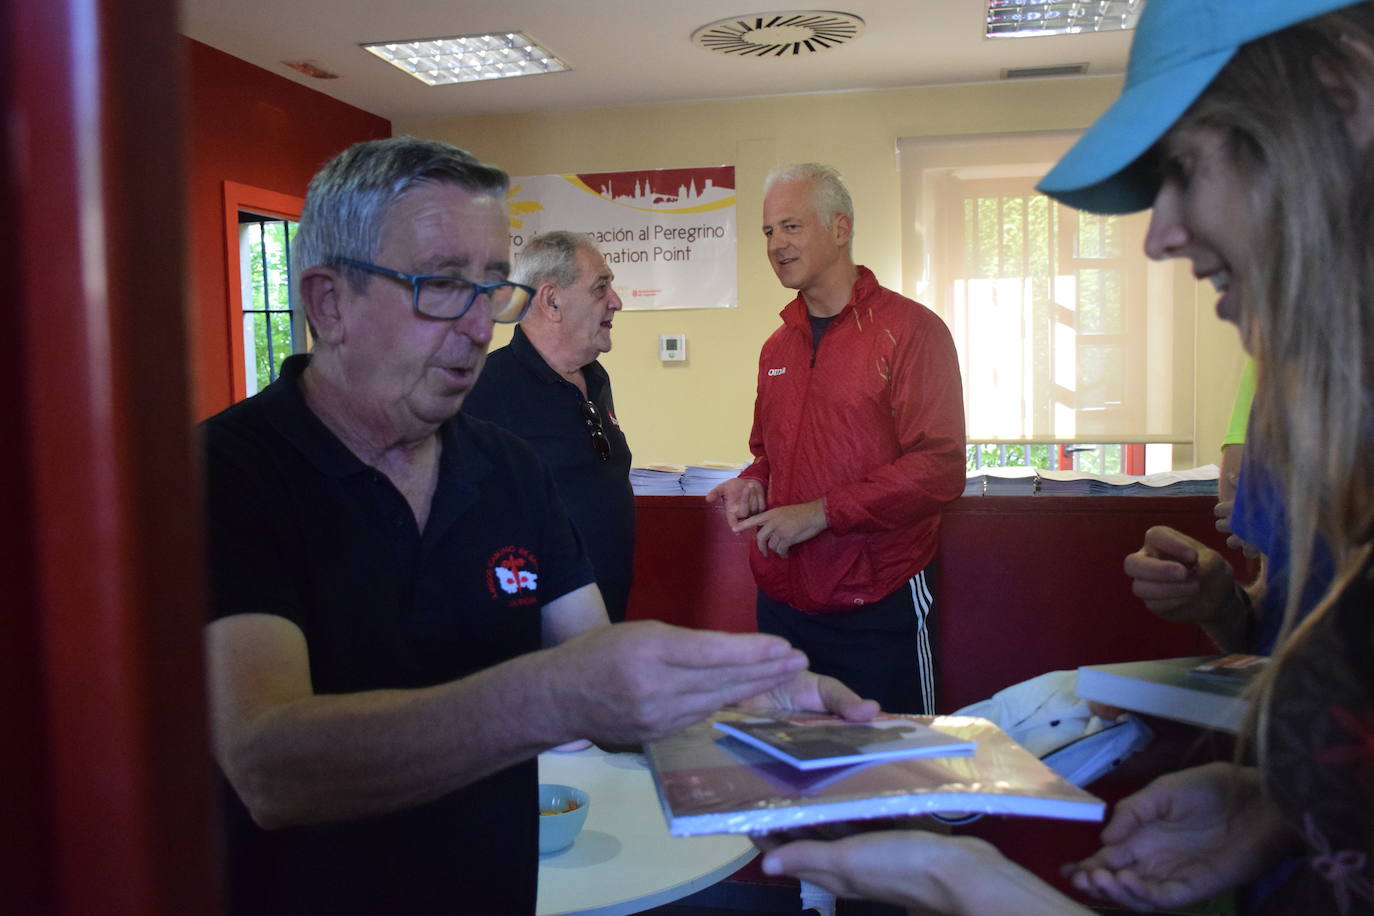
(1240, 411)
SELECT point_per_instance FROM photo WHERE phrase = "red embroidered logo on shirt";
(513, 574)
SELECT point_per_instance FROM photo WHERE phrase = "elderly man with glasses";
(548, 388)
(404, 616)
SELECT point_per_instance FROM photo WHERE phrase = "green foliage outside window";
(996, 455)
(1089, 459)
(266, 297)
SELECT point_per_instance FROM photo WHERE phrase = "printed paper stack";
(657, 480)
(700, 479)
(1200, 481)
(1013, 481)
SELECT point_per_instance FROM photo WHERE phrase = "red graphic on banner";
(656, 187)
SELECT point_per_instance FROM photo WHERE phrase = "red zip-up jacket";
(875, 427)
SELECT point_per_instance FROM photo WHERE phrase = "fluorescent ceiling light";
(1028, 18)
(467, 58)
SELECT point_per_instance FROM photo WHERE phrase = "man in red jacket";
(858, 441)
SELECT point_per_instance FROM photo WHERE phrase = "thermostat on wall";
(672, 347)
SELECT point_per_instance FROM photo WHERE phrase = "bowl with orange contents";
(562, 812)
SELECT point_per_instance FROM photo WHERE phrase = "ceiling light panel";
(1030, 18)
(468, 58)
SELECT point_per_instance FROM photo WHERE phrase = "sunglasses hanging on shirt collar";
(592, 417)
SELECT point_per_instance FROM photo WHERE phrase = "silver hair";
(349, 199)
(831, 196)
(551, 257)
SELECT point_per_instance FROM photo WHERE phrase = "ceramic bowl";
(558, 829)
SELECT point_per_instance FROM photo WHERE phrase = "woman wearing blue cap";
(1248, 126)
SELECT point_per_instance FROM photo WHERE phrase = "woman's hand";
(1183, 838)
(913, 868)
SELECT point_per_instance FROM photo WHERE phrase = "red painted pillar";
(105, 604)
(1135, 458)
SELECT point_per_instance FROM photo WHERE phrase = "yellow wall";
(701, 410)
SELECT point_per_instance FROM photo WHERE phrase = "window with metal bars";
(271, 331)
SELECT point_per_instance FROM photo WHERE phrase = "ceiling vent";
(1030, 73)
(786, 34)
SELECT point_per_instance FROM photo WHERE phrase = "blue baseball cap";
(1179, 48)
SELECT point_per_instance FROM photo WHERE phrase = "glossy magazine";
(710, 782)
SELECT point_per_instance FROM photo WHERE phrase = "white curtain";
(1066, 332)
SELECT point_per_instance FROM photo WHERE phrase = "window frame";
(263, 202)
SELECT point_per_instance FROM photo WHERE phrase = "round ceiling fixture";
(786, 34)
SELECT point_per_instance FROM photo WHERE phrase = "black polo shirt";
(521, 392)
(299, 527)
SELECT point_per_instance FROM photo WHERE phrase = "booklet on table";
(811, 742)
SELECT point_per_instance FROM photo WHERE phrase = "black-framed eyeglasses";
(449, 298)
(592, 417)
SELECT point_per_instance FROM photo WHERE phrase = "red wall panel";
(690, 569)
(112, 761)
(27, 851)
(1034, 584)
(247, 125)
(1025, 584)
(111, 775)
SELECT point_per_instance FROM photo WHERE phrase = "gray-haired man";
(548, 388)
(858, 443)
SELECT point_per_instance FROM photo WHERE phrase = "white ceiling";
(621, 52)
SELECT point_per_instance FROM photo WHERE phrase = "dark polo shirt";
(521, 392)
(300, 528)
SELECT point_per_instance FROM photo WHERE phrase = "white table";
(624, 860)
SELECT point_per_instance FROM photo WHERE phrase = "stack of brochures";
(742, 773)
(1201, 481)
(657, 480)
(1013, 481)
(700, 479)
(1028, 481)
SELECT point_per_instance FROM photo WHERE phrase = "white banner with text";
(669, 234)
